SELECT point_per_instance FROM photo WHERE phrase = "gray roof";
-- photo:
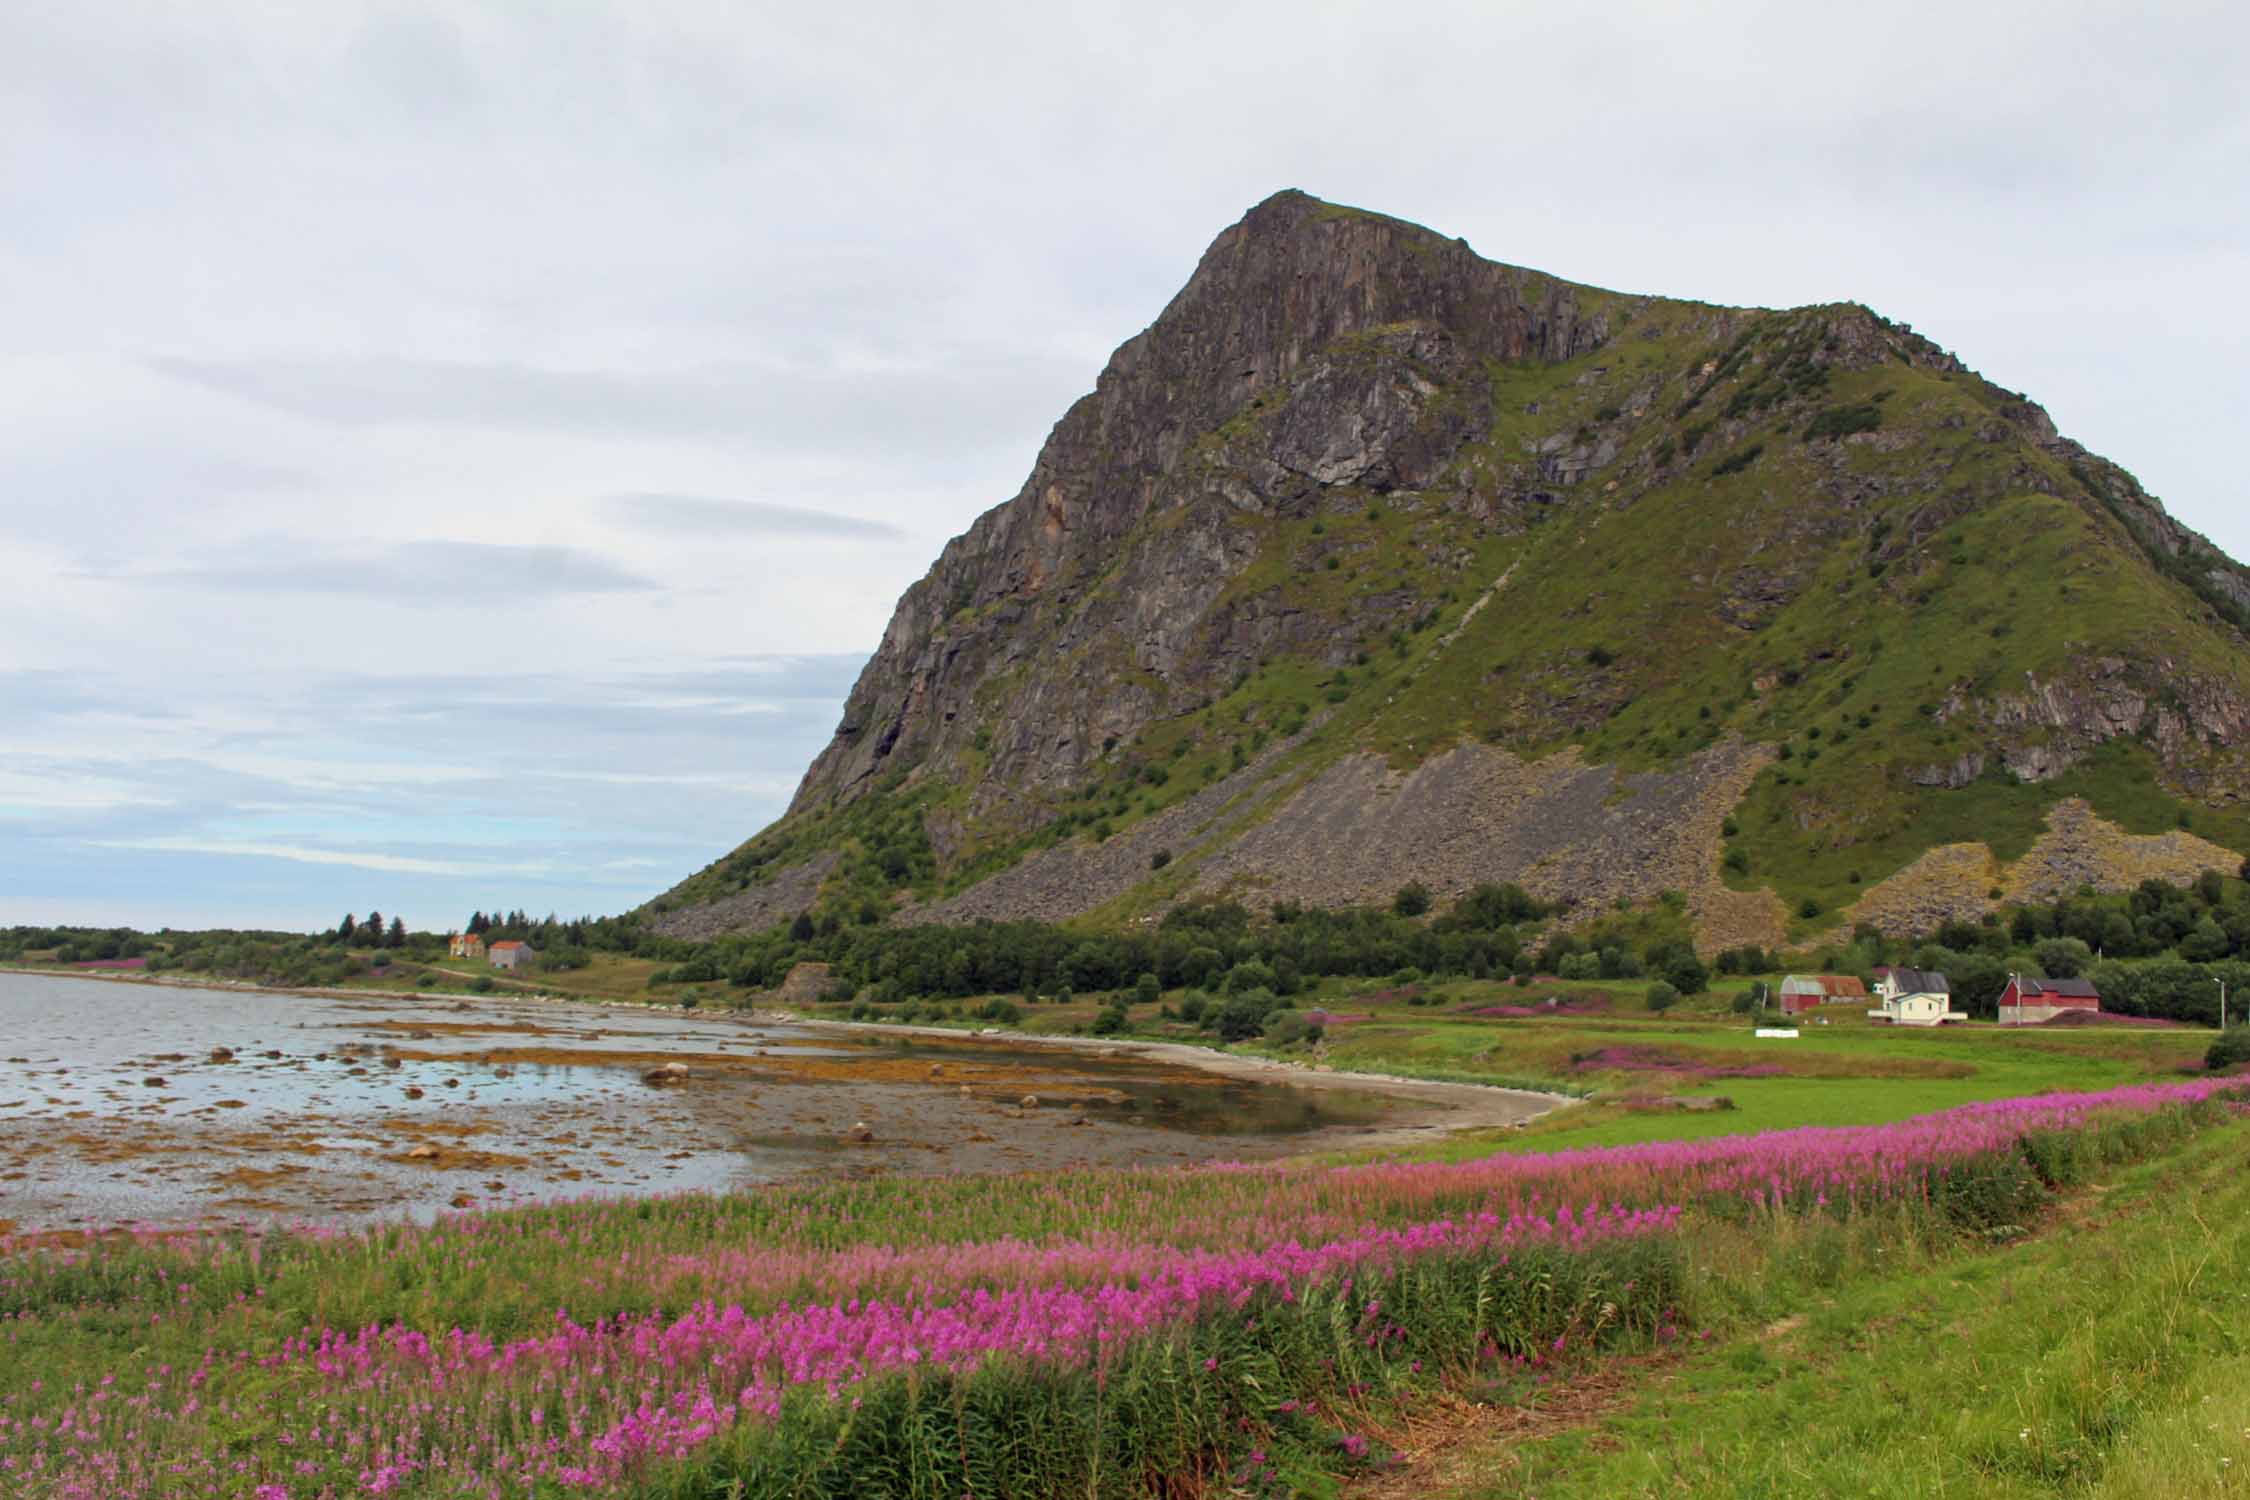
(2077, 989)
(1921, 982)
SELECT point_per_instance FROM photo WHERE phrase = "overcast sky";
(459, 456)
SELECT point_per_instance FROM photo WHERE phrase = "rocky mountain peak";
(1373, 560)
(1361, 318)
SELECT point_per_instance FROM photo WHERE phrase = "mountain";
(1373, 561)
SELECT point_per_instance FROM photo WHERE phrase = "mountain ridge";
(1583, 581)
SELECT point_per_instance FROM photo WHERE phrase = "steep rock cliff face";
(1371, 560)
(1352, 326)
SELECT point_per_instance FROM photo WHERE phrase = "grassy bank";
(2108, 1357)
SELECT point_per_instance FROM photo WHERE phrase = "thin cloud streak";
(704, 517)
(358, 859)
(965, 398)
(436, 573)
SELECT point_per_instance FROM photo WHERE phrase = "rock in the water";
(860, 1134)
(423, 1152)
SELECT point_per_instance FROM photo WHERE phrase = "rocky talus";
(2079, 848)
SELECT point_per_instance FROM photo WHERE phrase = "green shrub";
(1735, 463)
(482, 984)
(1109, 1020)
(1287, 1028)
(1412, 900)
(1662, 997)
(1843, 421)
(1244, 1016)
(1249, 976)
(2231, 1050)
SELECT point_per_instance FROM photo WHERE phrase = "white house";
(1915, 997)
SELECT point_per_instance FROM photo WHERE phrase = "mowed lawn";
(2107, 1356)
(1846, 1073)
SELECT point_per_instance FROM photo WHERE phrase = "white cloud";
(30, 794)
(435, 573)
(358, 859)
(699, 516)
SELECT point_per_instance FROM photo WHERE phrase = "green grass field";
(2108, 1356)
(1848, 1071)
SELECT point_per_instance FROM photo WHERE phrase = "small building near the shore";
(465, 945)
(1803, 992)
(2029, 1000)
(1915, 997)
(512, 955)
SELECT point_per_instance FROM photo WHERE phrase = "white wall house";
(1915, 997)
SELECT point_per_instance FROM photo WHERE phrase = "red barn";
(2027, 1001)
(1803, 992)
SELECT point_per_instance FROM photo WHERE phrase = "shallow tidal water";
(138, 1103)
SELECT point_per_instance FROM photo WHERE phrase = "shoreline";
(1447, 1106)
(1437, 1108)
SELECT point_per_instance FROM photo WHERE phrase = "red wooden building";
(2028, 1000)
(1803, 992)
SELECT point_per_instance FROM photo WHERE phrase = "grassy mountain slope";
(1374, 561)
